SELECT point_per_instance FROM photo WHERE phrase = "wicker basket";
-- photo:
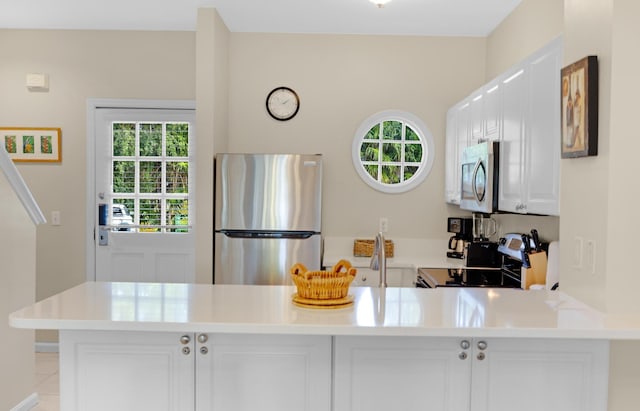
(323, 285)
(364, 248)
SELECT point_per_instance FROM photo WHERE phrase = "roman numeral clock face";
(283, 103)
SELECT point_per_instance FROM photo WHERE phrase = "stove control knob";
(464, 344)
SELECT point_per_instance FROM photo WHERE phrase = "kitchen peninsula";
(132, 346)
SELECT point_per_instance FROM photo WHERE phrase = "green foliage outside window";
(393, 152)
(139, 160)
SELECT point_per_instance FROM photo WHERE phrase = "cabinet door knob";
(203, 338)
(465, 344)
(185, 339)
(204, 350)
(463, 355)
(186, 350)
(481, 356)
(482, 345)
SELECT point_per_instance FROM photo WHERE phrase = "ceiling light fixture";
(380, 3)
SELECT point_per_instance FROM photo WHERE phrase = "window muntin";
(393, 151)
(150, 174)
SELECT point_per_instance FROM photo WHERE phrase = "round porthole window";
(393, 151)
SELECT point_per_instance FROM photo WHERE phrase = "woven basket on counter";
(364, 248)
(323, 285)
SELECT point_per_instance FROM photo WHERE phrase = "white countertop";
(455, 312)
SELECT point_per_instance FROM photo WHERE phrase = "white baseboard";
(27, 404)
(47, 347)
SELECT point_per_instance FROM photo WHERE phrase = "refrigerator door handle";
(268, 234)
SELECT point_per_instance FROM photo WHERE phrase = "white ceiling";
(399, 17)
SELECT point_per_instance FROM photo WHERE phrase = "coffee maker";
(462, 228)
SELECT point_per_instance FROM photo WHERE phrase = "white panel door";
(107, 371)
(451, 183)
(401, 373)
(511, 177)
(535, 374)
(263, 372)
(543, 133)
(143, 176)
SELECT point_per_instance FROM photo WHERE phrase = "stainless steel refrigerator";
(267, 217)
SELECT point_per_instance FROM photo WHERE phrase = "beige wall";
(17, 290)
(597, 191)
(342, 80)
(81, 65)
(212, 92)
(529, 27)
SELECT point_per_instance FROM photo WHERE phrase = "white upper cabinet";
(542, 133)
(492, 109)
(476, 112)
(521, 109)
(530, 148)
(458, 136)
(511, 178)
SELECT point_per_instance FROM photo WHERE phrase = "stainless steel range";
(511, 251)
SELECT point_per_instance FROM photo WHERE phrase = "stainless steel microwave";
(479, 188)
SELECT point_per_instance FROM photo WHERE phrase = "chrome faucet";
(379, 260)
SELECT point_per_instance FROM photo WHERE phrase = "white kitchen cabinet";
(511, 176)
(264, 372)
(105, 371)
(492, 110)
(540, 374)
(542, 133)
(457, 135)
(476, 115)
(484, 375)
(132, 371)
(400, 373)
(530, 148)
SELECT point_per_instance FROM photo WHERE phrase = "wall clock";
(283, 103)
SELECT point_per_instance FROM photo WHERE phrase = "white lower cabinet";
(133, 371)
(264, 372)
(400, 373)
(107, 371)
(490, 375)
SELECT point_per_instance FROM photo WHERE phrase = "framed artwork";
(579, 97)
(42, 144)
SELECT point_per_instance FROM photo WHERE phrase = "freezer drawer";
(262, 261)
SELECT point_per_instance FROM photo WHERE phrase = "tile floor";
(47, 382)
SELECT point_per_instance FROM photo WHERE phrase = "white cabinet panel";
(458, 137)
(264, 372)
(392, 373)
(452, 163)
(490, 375)
(511, 178)
(102, 371)
(493, 111)
(530, 149)
(534, 375)
(543, 134)
(476, 113)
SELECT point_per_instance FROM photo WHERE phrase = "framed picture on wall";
(37, 144)
(579, 105)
